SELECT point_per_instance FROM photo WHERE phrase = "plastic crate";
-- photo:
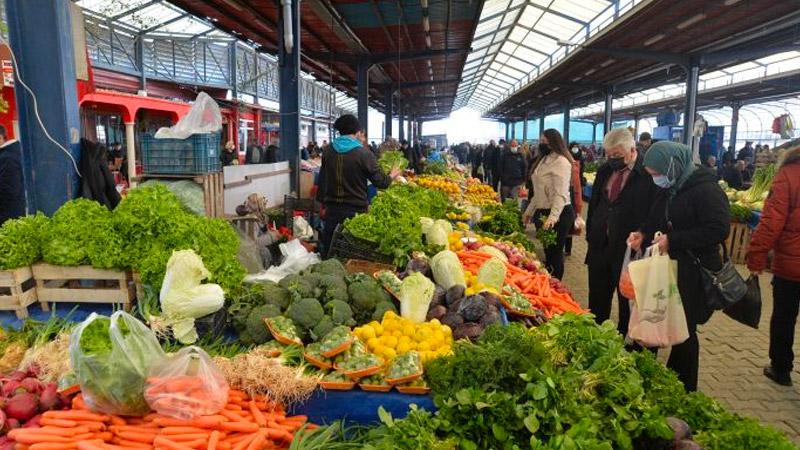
(197, 154)
(345, 246)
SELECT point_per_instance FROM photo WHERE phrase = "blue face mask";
(663, 181)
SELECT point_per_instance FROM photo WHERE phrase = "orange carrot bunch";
(535, 286)
(244, 424)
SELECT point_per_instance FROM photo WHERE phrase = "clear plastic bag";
(111, 358)
(625, 284)
(186, 385)
(203, 117)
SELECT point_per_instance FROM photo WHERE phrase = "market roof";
(646, 48)
(433, 35)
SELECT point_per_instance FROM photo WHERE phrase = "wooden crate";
(82, 284)
(248, 225)
(17, 291)
(738, 241)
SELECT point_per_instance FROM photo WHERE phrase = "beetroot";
(22, 407)
(2, 419)
(49, 397)
(17, 375)
(34, 422)
(6, 443)
(32, 385)
(12, 424)
(10, 387)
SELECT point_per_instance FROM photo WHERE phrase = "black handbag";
(723, 287)
(747, 310)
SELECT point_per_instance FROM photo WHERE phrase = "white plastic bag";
(184, 299)
(295, 259)
(204, 117)
(657, 315)
(625, 284)
(301, 229)
(186, 385)
(111, 358)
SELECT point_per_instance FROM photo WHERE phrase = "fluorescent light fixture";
(691, 21)
(654, 39)
(731, 2)
(428, 40)
(424, 3)
(233, 4)
(590, 71)
(576, 78)
(426, 24)
(608, 62)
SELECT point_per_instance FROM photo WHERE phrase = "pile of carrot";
(244, 424)
(177, 395)
(534, 286)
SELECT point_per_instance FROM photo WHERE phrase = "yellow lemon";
(389, 315)
(404, 339)
(435, 323)
(403, 347)
(397, 333)
(367, 333)
(447, 331)
(373, 343)
(379, 349)
(389, 341)
(389, 353)
(390, 325)
(423, 334)
(375, 325)
(424, 346)
(409, 330)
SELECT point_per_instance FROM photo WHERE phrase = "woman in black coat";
(697, 222)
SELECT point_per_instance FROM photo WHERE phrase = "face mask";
(663, 181)
(544, 149)
(576, 151)
(514, 149)
(617, 163)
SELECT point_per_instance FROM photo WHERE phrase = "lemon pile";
(439, 183)
(395, 335)
(480, 195)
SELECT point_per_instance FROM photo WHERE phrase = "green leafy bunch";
(20, 241)
(82, 232)
(392, 159)
(393, 219)
(501, 220)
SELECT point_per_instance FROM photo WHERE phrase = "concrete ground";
(732, 357)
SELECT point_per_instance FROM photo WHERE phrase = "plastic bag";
(295, 259)
(186, 385)
(203, 117)
(625, 284)
(111, 358)
(184, 299)
(301, 229)
(657, 315)
(747, 311)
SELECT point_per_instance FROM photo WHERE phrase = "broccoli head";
(276, 295)
(305, 313)
(334, 287)
(324, 326)
(298, 286)
(330, 267)
(256, 328)
(381, 308)
(365, 294)
(340, 313)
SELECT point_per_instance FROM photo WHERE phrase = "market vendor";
(347, 165)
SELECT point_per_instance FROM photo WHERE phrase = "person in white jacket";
(550, 207)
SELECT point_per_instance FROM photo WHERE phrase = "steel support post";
(594, 133)
(607, 111)
(636, 127)
(400, 124)
(388, 113)
(140, 63)
(541, 124)
(40, 33)
(289, 78)
(734, 124)
(508, 128)
(690, 109)
(565, 109)
(525, 129)
(363, 96)
(233, 71)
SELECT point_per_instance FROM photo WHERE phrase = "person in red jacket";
(779, 230)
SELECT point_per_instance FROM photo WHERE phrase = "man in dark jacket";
(476, 159)
(513, 169)
(488, 158)
(732, 173)
(495, 161)
(346, 168)
(12, 192)
(623, 197)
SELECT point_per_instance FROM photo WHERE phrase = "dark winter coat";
(343, 178)
(12, 192)
(698, 221)
(636, 209)
(97, 182)
(513, 168)
(779, 227)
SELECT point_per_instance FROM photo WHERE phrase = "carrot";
(244, 443)
(53, 431)
(92, 426)
(244, 427)
(257, 415)
(237, 393)
(213, 441)
(145, 438)
(258, 442)
(91, 445)
(85, 437)
(274, 425)
(196, 444)
(224, 445)
(130, 444)
(230, 415)
(188, 437)
(76, 415)
(279, 434)
(233, 407)
(166, 443)
(51, 446)
(117, 420)
(58, 422)
(74, 389)
(135, 428)
(104, 436)
(199, 422)
(181, 430)
(35, 438)
(300, 418)
(19, 446)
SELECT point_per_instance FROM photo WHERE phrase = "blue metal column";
(566, 122)
(594, 133)
(607, 111)
(541, 124)
(363, 96)
(525, 129)
(734, 124)
(690, 110)
(289, 76)
(402, 130)
(388, 112)
(507, 131)
(40, 32)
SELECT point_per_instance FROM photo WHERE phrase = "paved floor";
(732, 357)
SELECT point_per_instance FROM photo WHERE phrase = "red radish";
(49, 397)
(6, 443)
(22, 407)
(2, 419)
(10, 387)
(12, 424)
(17, 375)
(32, 385)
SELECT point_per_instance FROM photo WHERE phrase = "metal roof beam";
(725, 56)
(382, 58)
(559, 14)
(168, 22)
(501, 13)
(648, 55)
(133, 10)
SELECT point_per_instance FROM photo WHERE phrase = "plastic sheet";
(295, 259)
(186, 385)
(203, 117)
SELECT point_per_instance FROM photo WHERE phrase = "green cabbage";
(436, 235)
(497, 253)
(492, 273)
(416, 292)
(447, 270)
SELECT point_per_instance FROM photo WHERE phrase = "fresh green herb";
(21, 240)
(501, 220)
(336, 377)
(391, 160)
(740, 213)
(548, 237)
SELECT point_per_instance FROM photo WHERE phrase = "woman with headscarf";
(697, 222)
(550, 207)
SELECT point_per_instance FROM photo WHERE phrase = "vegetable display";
(21, 240)
(392, 160)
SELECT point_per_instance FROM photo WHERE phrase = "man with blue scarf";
(347, 165)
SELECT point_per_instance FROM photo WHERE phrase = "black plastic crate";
(197, 154)
(345, 246)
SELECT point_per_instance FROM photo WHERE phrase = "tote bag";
(657, 315)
